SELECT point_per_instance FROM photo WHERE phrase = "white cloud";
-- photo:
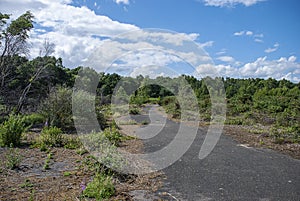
(122, 1)
(249, 33)
(258, 40)
(281, 68)
(230, 3)
(74, 30)
(244, 32)
(207, 44)
(272, 49)
(227, 59)
(239, 33)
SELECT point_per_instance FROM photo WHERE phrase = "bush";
(171, 105)
(13, 158)
(34, 119)
(57, 108)
(51, 136)
(101, 187)
(113, 135)
(11, 130)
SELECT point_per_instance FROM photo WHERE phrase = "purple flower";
(82, 186)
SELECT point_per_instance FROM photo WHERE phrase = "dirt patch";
(67, 171)
(243, 135)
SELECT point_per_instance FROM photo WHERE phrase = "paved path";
(230, 172)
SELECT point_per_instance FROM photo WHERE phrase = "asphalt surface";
(231, 171)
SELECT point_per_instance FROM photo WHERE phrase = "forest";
(38, 92)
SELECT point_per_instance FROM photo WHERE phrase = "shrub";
(34, 119)
(113, 135)
(101, 187)
(13, 158)
(51, 136)
(57, 108)
(134, 111)
(11, 130)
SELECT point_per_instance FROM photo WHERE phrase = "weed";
(66, 174)
(51, 136)
(13, 158)
(26, 184)
(72, 143)
(11, 130)
(46, 164)
(31, 198)
(101, 187)
(81, 151)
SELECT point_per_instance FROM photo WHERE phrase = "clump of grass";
(51, 136)
(13, 158)
(72, 143)
(101, 187)
(67, 174)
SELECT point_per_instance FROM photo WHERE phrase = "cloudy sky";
(244, 38)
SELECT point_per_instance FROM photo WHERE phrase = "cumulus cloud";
(282, 68)
(230, 3)
(272, 49)
(74, 30)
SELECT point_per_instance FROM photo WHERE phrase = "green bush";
(57, 108)
(13, 158)
(101, 187)
(171, 106)
(113, 135)
(11, 130)
(34, 119)
(51, 136)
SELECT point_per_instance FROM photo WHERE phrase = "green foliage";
(51, 136)
(27, 184)
(13, 158)
(67, 174)
(72, 143)
(57, 108)
(101, 187)
(134, 110)
(34, 119)
(171, 106)
(11, 130)
(113, 135)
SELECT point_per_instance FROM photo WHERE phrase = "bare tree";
(47, 49)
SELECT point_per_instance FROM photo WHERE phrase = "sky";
(242, 38)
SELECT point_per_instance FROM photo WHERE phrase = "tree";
(48, 48)
(13, 41)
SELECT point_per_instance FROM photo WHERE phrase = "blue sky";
(245, 38)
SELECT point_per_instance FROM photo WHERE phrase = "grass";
(67, 174)
(27, 184)
(101, 187)
(13, 158)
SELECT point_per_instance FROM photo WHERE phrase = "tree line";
(29, 85)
